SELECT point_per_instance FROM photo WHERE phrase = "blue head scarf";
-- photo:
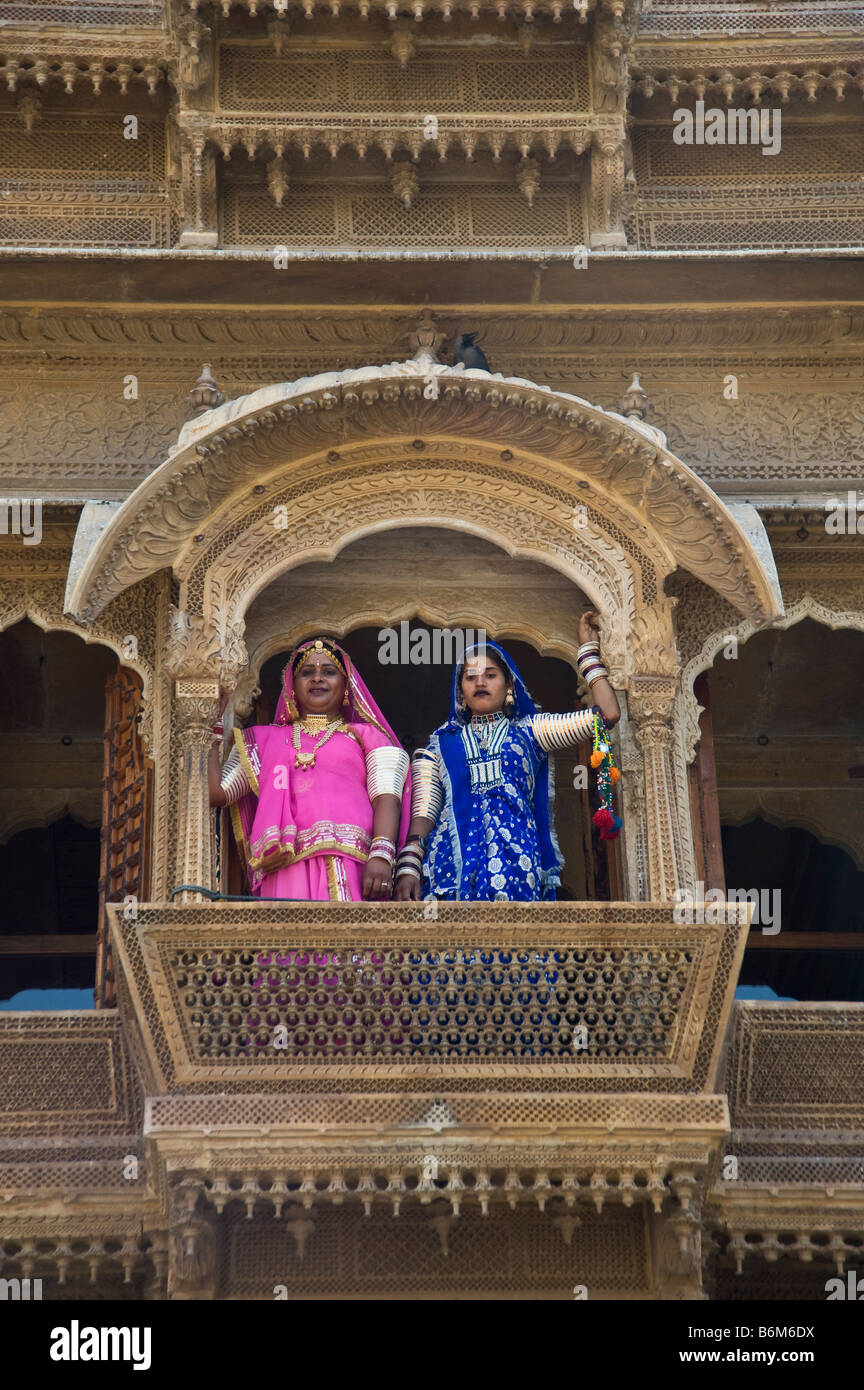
(456, 761)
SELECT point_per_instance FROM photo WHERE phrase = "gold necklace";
(317, 726)
(314, 723)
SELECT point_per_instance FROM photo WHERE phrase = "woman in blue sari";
(481, 808)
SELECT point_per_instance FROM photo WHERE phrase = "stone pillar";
(607, 193)
(197, 706)
(676, 1239)
(651, 703)
(632, 799)
(201, 660)
(198, 173)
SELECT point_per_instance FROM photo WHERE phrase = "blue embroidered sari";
(493, 839)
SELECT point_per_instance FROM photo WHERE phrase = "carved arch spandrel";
(321, 523)
(237, 445)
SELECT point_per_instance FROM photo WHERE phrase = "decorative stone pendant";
(304, 760)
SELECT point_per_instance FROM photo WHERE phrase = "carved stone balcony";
(594, 997)
(523, 1056)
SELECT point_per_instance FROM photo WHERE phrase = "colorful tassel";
(606, 821)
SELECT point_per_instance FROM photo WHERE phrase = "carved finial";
(277, 178)
(402, 45)
(635, 403)
(406, 184)
(425, 338)
(528, 179)
(205, 394)
(29, 109)
(278, 30)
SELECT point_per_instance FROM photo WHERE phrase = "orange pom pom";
(614, 774)
(596, 759)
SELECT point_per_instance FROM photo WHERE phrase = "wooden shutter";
(704, 801)
(127, 799)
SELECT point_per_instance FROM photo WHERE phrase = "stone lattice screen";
(682, 19)
(445, 214)
(811, 193)
(607, 998)
(137, 14)
(426, 1250)
(75, 180)
(796, 1093)
(309, 84)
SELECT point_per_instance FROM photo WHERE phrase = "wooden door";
(127, 801)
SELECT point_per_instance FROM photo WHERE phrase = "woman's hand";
(407, 889)
(376, 879)
(589, 626)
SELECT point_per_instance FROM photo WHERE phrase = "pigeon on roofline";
(466, 352)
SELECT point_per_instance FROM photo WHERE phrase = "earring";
(460, 701)
(291, 709)
(346, 699)
(509, 700)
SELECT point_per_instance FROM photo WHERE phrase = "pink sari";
(306, 832)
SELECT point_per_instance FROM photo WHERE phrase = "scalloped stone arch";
(805, 607)
(277, 430)
(27, 608)
(610, 576)
(798, 820)
(53, 806)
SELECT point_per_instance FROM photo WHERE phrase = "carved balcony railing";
(606, 997)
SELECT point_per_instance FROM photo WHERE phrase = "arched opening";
(821, 897)
(73, 813)
(785, 723)
(395, 582)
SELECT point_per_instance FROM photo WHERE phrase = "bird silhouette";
(468, 353)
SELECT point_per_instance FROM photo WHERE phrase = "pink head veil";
(361, 709)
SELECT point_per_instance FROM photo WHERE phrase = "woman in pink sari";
(316, 796)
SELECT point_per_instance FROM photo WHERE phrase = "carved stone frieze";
(231, 445)
(684, 358)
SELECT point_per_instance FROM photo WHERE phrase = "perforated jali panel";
(85, 184)
(368, 215)
(681, 18)
(421, 1003)
(797, 1067)
(64, 1074)
(136, 13)
(649, 997)
(356, 80)
(811, 193)
(503, 1253)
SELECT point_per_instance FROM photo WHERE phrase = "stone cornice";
(800, 330)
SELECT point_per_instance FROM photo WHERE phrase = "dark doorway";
(821, 896)
(49, 887)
